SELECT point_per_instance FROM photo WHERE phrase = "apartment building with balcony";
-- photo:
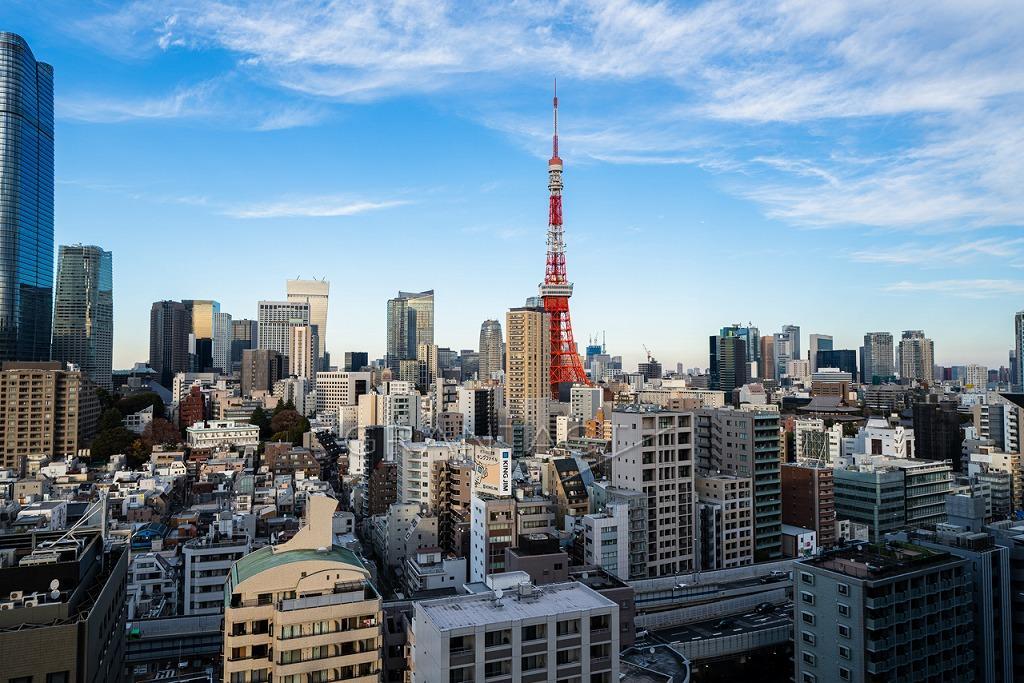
(881, 613)
(302, 611)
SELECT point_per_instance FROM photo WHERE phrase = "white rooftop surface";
(464, 611)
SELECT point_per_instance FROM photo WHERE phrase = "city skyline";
(174, 124)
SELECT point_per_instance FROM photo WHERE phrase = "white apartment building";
(303, 360)
(606, 539)
(207, 563)
(557, 632)
(222, 434)
(725, 526)
(416, 464)
(584, 402)
(652, 452)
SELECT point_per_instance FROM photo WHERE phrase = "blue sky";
(842, 166)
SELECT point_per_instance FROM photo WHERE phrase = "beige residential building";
(316, 294)
(302, 611)
(528, 369)
(725, 525)
(652, 452)
(44, 409)
(303, 355)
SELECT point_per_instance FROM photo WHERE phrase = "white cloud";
(942, 254)
(969, 289)
(828, 113)
(310, 207)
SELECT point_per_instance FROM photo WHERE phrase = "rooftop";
(481, 609)
(877, 561)
(265, 558)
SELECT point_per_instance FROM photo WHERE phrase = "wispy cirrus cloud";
(310, 207)
(942, 254)
(903, 116)
(968, 289)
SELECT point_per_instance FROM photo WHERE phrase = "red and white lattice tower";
(556, 289)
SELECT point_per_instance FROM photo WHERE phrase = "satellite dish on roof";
(55, 594)
(498, 594)
(54, 585)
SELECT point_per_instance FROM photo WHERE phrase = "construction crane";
(648, 351)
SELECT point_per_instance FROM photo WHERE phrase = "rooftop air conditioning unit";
(16, 595)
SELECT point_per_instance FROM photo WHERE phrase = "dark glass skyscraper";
(83, 313)
(169, 326)
(26, 202)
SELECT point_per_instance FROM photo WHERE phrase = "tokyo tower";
(566, 368)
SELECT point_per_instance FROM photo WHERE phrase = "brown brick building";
(808, 499)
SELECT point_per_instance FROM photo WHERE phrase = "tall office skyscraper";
(26, 202)
(356, 360)
(83, 316)
(818, 342)
(787, 348)
(728, 362)
(243, 336)
(490, 348)
(223, 335)
(203, 315)
(1017, 380)
(302, 354)
(917, 356)
(169, 328)
(410, 323)
(315, 293)
(876, 356)
(276, 318)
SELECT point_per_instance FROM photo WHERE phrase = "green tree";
(133, 403)
(111, 419)
(111, 442)
(288, 425)
(281, 407)
(260, 419)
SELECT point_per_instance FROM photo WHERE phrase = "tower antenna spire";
(554, 139)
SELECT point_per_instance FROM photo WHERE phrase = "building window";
(808, 618)
(844, 630)
(497, 638)
(809, 678)
(844, 652)
(844, 589)
(534, 632)
(806, 597)
(809, 658)
(808, 637)
(568, 627)
(534, 662)
(807, 578)
(844, 609)
(844, 673)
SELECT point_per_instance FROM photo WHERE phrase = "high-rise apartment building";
(916, 357)
(876, 357)
(491, 343)
(652, 452)
(44, 409)
(169, 329)
(303, 352)
(881, 613)
(809, 500)
(276, 320)
(303, 610)
(527, 369)
(83, 314)
(315, 293)
(818, 342)
(725, 521)
(410, 323)
(746, 443)
(26, 202)
(787, 348)
(243, 336)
